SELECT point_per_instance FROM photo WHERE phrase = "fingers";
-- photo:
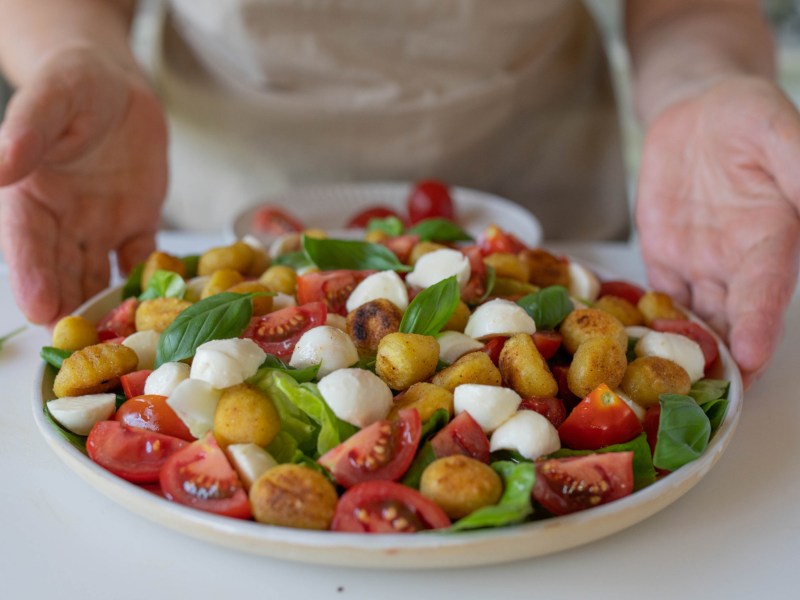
(669, 281)
(708, 302)
(782, 149)
(135, 250)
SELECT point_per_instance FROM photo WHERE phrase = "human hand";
(83, 162)
(718, 211)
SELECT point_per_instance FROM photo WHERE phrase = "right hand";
(83, 172)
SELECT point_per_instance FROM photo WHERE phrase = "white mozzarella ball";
(281, 300)
(145, 344)
(499, 317)
(489, 405)
(250, 461)
(637, 409)
(435, 266)
(329, 347)
(675, 347)
(224, 363)
(336, 320)
(383, 284)
(195, 401)
(454, 344)
(80, 413)
(637, 331)
(583, 283)
(166, 378)
(357, 396)
(526, 432)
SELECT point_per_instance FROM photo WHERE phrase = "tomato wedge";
(333, 288)
(547, 342)
(277, 332)
(476, 286)
(493, 347)
(133, 383)
(552, 408)
(401, 245)
(381, 451)
(694, 332)
(120, 321)
(135, 455)
(386, 507)
(151, 412)
(622, 289)
(275, 221)
(200, 476)
(601, 419)
(494, 240)
(567, 485)
(464, 436)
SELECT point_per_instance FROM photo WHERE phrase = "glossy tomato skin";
(401, 246)
(552, 408)
(652, 419)
(429, 199)
(494, 240)
(622, 289)
(601, 419)
(547, 342)
(567, 485)
(120, 321)
(493, 347)
(133, 383)
(277, 332)
(135, 455)
(386, 507)
(693, 331)
(200, 476)
(570, 400)
(462, 436)
(362, 218)
(333, 288)
(273, 220)
(381, 451)
(152, 413)
(476, 286)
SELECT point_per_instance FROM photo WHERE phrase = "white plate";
(331, 206)
(392, 551)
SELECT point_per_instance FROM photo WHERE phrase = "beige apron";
(507, 96)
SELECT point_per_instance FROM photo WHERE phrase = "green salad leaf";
(683, 432)
(54, 356)
(299, 375)
(391, 226)
(707, 390)
(432, 308)
(352, 255)
(133, 283)
(439, 230)
(164, 284)
(547, 307)
(438, 420)
(425, 456)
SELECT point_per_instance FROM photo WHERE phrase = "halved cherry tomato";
(464, 436)
(135, 455)
(133, 383)
(362, 218)
(277, 332)
(151, 412)
(567, 485)
(694, 332)
(552, 408)
(331, 287)
(401, 245)
(120, 321)
(430, 199)
(493, 240)
(381, 451)
(570, 400)
(547, 342)
(200, 476)
(622, 289)
(275, 221)
(600, 419)
(476, 286)
(386, 507)
(493, 347)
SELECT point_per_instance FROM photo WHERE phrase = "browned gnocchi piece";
(261, 304)
(459, 319)
(157, 314)
(221, 280)
(597, 360)
(524, 369)
(279, 278)
(460, 485)
(420, 249)
(509, 266)
(426, 398)
(238, 256)
(291, 495)
(475, 367)
(73, 333)
(657, 305)
(544, 269)
(403, 359)
(94, 369)
(161, 261)
(647, 377)
(586, 323)
(245, 415)
(626, 312)
(368, 324)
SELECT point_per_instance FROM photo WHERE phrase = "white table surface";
(735, 535)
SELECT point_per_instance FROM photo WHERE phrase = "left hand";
(718, 211)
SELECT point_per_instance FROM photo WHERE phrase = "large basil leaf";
(515, 503)
(164, 284)
(683, 432)
(54, 356)
(391, 226)
(432, 308)
(547, 307)
(133, 284)
(439, 230)
(217, 317)
(353, 255)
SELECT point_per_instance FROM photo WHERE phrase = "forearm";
(680, 47)
(32, 31)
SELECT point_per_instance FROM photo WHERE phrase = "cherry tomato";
(552, 408)
(200, 476)
(135, 455)
(464, 436)
(430, 199)
(547, 343)
(494, 240)
(567, 485)
(151, 412)
(278, 332)
(476, 286)
(381, 451)
(386, 507)
(120, 321)
(652, 418)
(401, 245)
(133, 383)
(275, 221)
(331, 287)
(693, 331)
(622, 289)
(362, 218)
(600, 419)
(570, 400)
(493, 347)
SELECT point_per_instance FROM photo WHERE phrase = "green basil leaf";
(432, 308)
(164, 284)
(715, 411)
(425, 456)
(217, 317)
(439, 230)
(515, 504)
(54, 356)
(120, 399)
(367, 363)
(352, 255)
(491, 279)
(75, 440)
(547, 307)
(133, 284)
(299, 375)
(707, 390)
(434, 424)
(391, 226)
(683, 432)
(294, 260)
(190, 263)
